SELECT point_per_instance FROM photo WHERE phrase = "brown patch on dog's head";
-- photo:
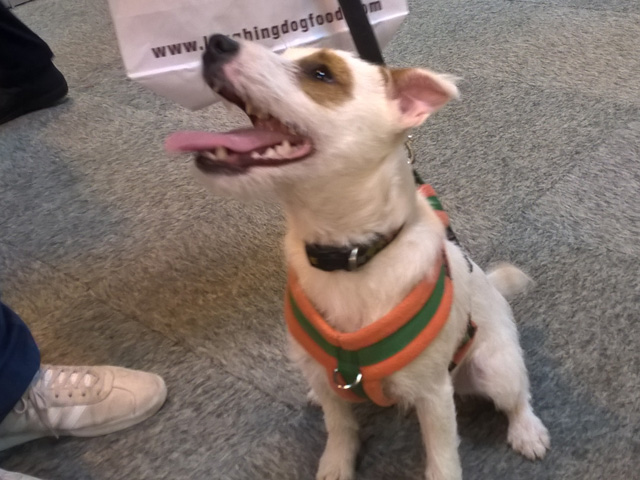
(326, 78)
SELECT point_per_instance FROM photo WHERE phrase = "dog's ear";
(419, 93)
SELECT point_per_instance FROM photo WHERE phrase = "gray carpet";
(113, 254)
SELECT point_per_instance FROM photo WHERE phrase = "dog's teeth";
(209, 155)
(221, 153)
(249, 108)
(284, 148)
(255, 155)
(270, 153)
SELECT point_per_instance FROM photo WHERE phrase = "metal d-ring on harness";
(343, 386)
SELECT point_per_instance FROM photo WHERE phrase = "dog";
(327, 144)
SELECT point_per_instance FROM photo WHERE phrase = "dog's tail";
(508, 279)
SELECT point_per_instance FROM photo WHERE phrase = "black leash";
(361, 31)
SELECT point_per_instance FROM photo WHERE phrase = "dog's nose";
(221, 48)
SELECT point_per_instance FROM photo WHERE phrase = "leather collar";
(350, 258)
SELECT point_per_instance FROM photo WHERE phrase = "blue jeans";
(19, 359)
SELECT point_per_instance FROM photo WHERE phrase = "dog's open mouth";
(270, 143)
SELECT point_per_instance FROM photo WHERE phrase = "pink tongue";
(241, 141)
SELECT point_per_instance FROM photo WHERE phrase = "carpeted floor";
(113, 254)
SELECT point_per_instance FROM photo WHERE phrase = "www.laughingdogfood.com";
(274, 32)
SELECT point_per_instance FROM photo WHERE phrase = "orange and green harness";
(357, 362)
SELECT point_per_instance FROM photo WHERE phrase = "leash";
(361, 31)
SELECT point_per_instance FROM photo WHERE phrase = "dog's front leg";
(437, 414)
(339, 457)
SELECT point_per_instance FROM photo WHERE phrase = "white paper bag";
(162, 41)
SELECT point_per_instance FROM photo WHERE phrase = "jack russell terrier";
(380, 304)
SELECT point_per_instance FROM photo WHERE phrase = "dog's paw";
(445, 469)
(335, 472)
(431, 474)
(528, 436)
(333, 467)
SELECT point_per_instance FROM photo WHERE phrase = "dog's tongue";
(241, 141)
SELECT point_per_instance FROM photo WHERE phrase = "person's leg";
(28, 79)
(45, 400)
(19, 359)
(22, 52)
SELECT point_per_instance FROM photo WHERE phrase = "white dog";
(327, 143)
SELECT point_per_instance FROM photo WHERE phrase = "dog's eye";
(323, 74)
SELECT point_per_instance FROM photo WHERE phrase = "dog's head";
(316, 114)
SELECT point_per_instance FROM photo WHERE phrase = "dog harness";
(357, 362)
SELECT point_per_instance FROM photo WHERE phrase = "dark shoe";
(41, 92)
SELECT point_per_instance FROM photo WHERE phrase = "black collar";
(349, 258)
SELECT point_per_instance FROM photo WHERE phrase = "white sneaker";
(82, 402)
(4, 475)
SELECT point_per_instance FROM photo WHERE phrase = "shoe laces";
(57, 381)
